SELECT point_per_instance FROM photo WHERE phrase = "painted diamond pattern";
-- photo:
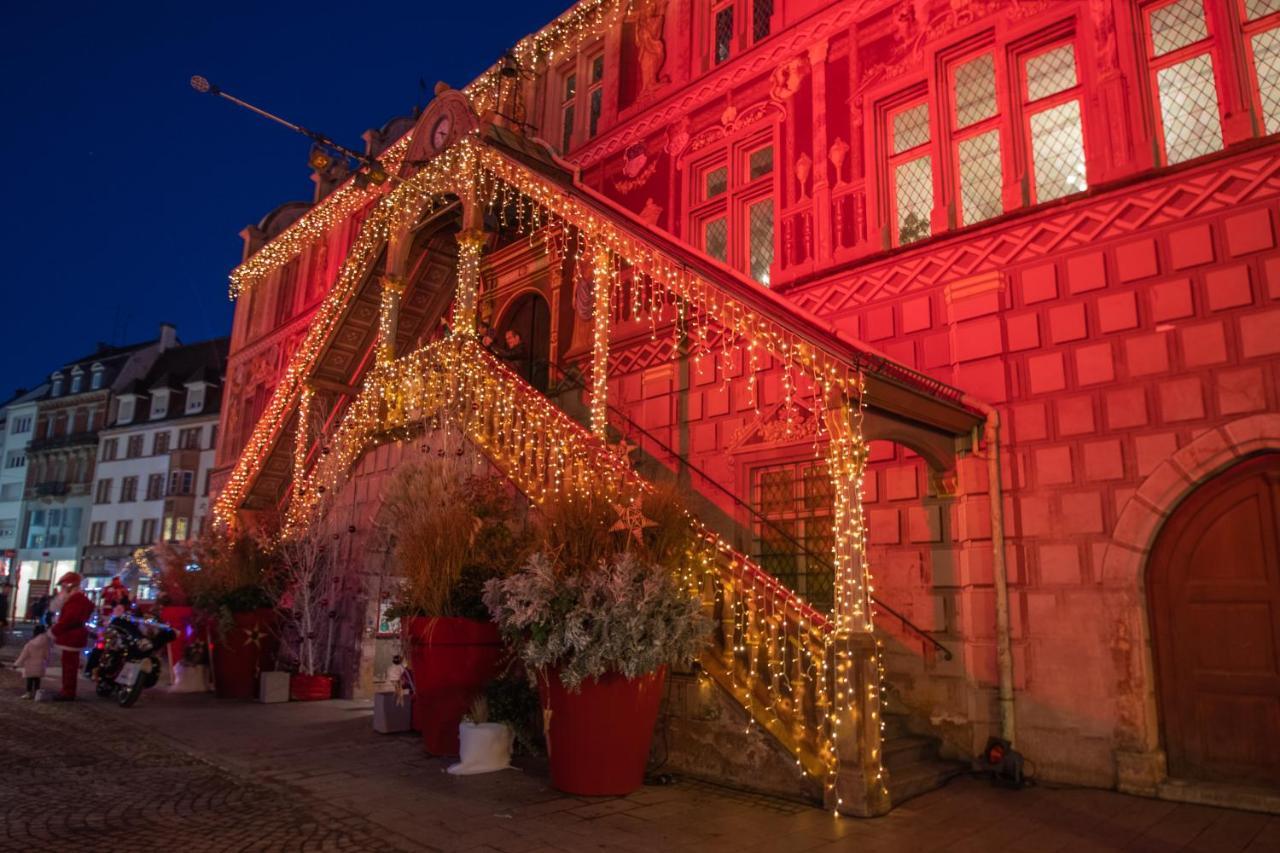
(1051, 72)
(1266, 61)
(1173, 200)
(716, 239)
(910, 128)
(1177, 25)
(1057, 146)
(760, 225)
(1189, 109)
(980, 177)
(914, 190)
(975, 91)
(1255, 9)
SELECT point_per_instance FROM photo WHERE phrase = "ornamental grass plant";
(451, 531)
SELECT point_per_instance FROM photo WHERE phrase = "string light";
(788, 664)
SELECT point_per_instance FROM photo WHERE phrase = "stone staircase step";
(900, 752)
(920, 778)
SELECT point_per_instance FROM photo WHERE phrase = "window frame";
(1211, 44)
(957, 135)
(734, 203)
(1028, 109)
(1247, 31)
(910, 100)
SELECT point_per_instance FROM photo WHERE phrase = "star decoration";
(631, 519)
(254, 636)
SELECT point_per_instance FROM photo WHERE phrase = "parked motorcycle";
(126, 659)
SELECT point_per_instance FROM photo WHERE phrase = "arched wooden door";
(1214, 589)
(530, 317)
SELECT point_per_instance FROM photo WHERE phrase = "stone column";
(389, 317)
(600, 328)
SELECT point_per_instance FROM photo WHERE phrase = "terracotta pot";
(598, 738)
(182, 620)
(248, 648)
(310, 688)
(452, 660)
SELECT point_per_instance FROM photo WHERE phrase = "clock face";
(440, 132)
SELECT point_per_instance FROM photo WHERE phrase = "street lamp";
(319, 157)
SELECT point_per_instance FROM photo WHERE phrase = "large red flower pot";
(183, 622)
(598, 738)
(310, 688)
(452, 660)
(241, 654)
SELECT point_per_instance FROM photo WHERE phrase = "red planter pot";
(598, 738)
(452, 660)
(183, 622)
(243, 653)
(310, 688)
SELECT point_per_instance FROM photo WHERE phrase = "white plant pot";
(189, 679)
(484, 748)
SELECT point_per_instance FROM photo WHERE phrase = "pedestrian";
(4, 612)
(114, 593)
(69, 632)
(39, 609)
(33, 660)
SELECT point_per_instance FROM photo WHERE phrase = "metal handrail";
(578, 383)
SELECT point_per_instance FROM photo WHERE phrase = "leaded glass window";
(980, 177)
(911, 128)
(597, 69)
(1055, 124)
(760, 163)
(761, 13)
(566, 131)
(760, 239)
(723, 34)
(1051, 72)
(597, 99)
(975, 91)
(1264, 45)
(1177, 25)
(715, 239)
(913, 192)
(1189, 109)
(793, 536)
(1057, 146)
(717, 181)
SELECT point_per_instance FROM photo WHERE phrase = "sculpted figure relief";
(650, 18)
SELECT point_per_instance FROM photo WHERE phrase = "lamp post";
(375, 173)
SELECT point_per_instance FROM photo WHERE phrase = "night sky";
(126, 189)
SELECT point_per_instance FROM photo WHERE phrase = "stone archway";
(1140, 761)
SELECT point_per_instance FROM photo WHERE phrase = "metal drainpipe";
(999, 571)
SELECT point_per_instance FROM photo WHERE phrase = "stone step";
(900, 752)
(919, 778)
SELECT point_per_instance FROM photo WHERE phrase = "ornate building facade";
(1025, 250)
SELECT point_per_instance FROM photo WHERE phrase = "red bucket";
(598, 738)
(310, 688)
(452, 660)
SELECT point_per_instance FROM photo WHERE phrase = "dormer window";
(95, 377)
(56, 390)
(128, 404)
(195, 398)
(159, 403)
(77, 381)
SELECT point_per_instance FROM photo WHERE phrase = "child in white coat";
(33, 660)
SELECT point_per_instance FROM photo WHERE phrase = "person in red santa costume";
(69, 633)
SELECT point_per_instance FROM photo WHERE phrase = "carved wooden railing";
(777, 656)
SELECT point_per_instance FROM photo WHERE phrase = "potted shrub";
(597, 617)
(311, 579)
(229, 582)
(450, 533)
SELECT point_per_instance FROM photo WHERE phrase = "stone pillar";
(389, 317)
(846, 460)
(861, 785)
(600, 327)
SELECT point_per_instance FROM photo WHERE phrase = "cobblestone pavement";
(314, 776)
(125, 789)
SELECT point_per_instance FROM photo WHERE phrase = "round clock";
(440, 132)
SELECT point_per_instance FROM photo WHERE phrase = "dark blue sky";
(125, 189)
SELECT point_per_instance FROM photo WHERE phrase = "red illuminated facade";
(1065, 210)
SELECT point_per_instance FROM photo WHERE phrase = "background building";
(1063, 212)
(17, 426)
(62, 453)
(153, 461)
